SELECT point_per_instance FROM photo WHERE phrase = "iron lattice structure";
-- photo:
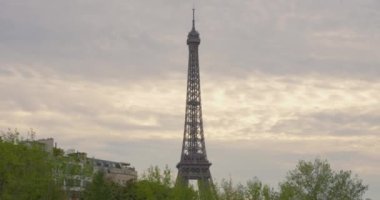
(194, 164)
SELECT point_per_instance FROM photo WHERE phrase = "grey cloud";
(256, 43)
(134, 39)
(165, 122)
(59, 104)
(90, 39)
(355, 121)
(5, 72)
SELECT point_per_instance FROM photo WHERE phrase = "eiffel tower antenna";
(193, 18)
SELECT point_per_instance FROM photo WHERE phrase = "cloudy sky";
(282, 80)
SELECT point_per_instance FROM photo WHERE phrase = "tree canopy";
(308, 181)
(27, 171)
(317, 181)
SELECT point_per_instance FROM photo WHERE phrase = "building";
(75, 169)
(76, 172)
(117, 172)
(48, 144)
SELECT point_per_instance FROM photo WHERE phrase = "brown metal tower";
(194, 164)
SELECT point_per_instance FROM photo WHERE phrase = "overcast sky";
(282, 80)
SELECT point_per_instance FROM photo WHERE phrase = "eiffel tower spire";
(194, 18)
(194, 164)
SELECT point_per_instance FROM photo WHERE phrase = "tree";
(183, 192)
(253, 190)
(99, 189)
(26, 170)
(256, 190)
(317, 181)
(153, 185)
(156, 185)
(230, 192)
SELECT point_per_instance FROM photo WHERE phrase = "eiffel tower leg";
(181, 180)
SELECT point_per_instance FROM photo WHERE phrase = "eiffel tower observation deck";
(194, 164)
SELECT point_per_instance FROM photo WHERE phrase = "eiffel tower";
(194, 164)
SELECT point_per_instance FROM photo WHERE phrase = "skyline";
(281, 81)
